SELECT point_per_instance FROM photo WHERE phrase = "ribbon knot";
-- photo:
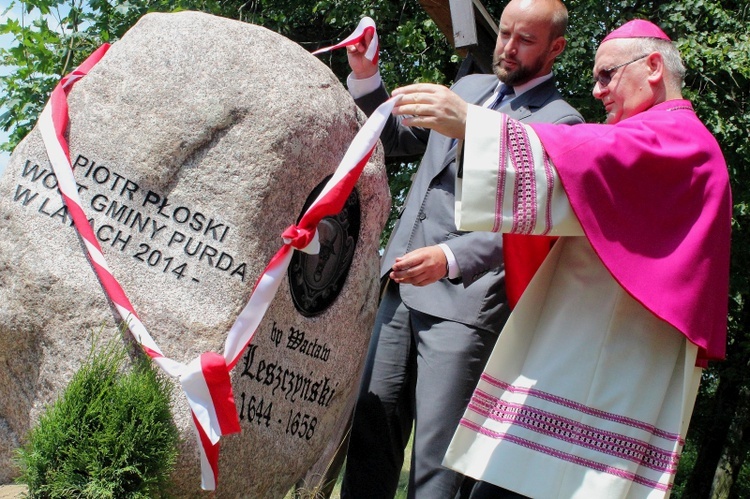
(302, 239)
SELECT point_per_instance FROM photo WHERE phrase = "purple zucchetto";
(637, 28)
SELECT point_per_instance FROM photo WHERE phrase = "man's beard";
(521, 74)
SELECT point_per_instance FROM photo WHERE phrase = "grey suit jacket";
(478, 297)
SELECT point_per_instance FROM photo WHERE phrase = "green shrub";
(110, 434)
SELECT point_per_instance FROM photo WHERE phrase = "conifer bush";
(109, 435)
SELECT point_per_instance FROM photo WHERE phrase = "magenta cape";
(652, 195)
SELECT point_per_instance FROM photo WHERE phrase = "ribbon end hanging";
(216, 373)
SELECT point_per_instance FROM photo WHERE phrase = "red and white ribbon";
(365, 25)
(205, 380)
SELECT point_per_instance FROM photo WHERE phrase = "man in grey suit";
(445, 302)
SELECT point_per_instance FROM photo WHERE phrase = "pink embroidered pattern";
(524, 190)
(574, 432)
(550, 189)
(566, 456)
(501, 177)
(582, 408)
(663, 459)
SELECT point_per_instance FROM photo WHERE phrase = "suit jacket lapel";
(488, 86)
(522, 106)
(486, 93)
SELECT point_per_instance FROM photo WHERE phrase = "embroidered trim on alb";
(524, 189)
(575, 432)
(501, 177)
(623, 420)
(588, 463)
(550, 191)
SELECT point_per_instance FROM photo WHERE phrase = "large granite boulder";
(196, 141)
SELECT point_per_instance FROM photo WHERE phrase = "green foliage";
(687, 462)
(109, 435)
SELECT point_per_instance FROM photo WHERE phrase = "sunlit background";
(5, 41)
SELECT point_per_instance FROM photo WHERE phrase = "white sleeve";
(508, 184)
(358, 88)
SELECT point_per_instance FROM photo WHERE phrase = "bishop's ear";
(655, 63)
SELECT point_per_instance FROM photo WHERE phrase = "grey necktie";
(505, 91)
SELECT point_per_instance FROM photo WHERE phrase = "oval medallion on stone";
(316, 280)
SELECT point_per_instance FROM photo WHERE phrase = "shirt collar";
(525, 87)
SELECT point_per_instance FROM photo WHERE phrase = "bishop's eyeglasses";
(604, 76)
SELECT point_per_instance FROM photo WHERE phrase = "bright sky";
(5, 41)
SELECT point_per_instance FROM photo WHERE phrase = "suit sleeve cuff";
(359, 88)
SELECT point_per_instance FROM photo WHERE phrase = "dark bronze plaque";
(316, 280)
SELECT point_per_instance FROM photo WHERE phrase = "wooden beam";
(440, 12)
(464, 23)
(486, 37)
(485, 19)
(467, 26)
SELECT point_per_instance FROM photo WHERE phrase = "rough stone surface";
(211, 133)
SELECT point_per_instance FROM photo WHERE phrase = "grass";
(403, 480)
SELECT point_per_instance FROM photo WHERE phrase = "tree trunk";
(724, 443)
(711, 444)
(735, 450)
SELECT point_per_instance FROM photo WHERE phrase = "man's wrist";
(451, 265)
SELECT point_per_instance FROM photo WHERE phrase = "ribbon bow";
(302, 239)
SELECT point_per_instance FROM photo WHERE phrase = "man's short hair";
(669, 53)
